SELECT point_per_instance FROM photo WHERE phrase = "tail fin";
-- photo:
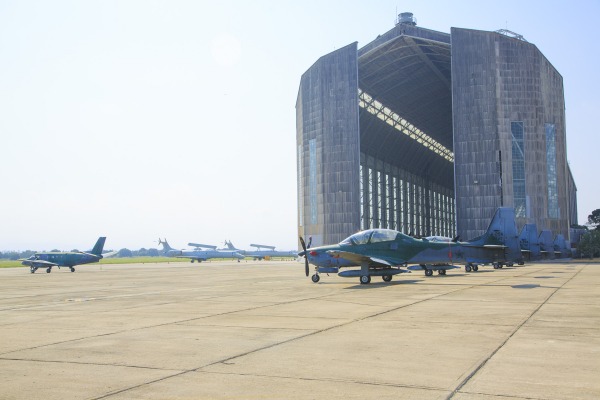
(546, 244)
(502, 231)
(97, 250)
(530, 243)
(165, 245)
(229, 245)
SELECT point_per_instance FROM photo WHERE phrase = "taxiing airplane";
(64, 259)
(259, 253)
(198, 254)
(382, 252)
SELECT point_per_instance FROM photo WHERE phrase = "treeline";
(15, 255)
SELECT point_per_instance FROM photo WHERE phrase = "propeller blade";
(305, 257)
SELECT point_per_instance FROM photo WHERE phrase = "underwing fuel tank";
(355, 273)
(328, 270)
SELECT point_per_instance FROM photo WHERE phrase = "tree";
(594, 219)
(153, 252)
(589, 245)
(124, 253)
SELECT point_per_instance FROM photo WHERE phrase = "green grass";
(10, 264)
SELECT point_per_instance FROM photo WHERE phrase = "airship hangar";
(427, 133)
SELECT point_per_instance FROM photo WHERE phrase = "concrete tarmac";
(262, 330)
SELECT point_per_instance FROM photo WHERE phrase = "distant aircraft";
(64, 259)
(382, 252)
(260, 254)
(198, 254)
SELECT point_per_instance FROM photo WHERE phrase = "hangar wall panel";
(327, 136)
(500, 83)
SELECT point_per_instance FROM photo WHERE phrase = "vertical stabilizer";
(530, 244)
(165, 245)
(99, 246)
(502, 231)
(546, 245)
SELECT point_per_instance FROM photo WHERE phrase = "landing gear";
(315, 278)
(192, 260)
(441, 272)
(33, 269)
(496, 265)
(387, 278)
(475, 267)
(48, 270)
(365, 279)
(72, 269)
(428, 272)
(468, 268)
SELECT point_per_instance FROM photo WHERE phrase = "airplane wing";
(37, 263)
(360, 259)
(433, 267)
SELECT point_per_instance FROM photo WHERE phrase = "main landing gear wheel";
(467, 268)
(32, 269)
(428, 272)
(475, 268)
(315, 278)
(495, 265)
(72, 269)
(387, 278)
(441, 272)
(192, 260)
(48, 270)
(365, 279)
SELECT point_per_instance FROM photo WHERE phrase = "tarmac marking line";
(517, 328)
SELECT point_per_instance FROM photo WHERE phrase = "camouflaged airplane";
(383, 252)
(64, 259)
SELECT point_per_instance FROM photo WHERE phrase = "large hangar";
(428, 133)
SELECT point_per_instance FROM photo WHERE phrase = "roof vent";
(406, 18)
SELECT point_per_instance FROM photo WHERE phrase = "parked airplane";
(198, 254)
(382, 252)
(64, 259)
(530, 243)
(546, 245)
(259, 253)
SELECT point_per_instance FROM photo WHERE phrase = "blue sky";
(140, 119)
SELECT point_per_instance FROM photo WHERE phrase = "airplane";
(64, 259)
(382, 252)
(530, 243)
(198, 254)
(547, 245)
(560, 247)
(260, 254)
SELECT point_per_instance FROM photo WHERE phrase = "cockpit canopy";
(371, 236)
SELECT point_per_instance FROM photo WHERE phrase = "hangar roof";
(408, 70)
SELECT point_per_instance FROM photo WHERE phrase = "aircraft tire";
(48, 270)
(442, 272)
(365, 279)
(475, 268)
(468, 268)
(72, 269)
(315, 278)
(495, 265)
(32, 270)
(428, 272)
(387, 278)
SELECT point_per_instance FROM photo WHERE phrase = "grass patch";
(139, 260)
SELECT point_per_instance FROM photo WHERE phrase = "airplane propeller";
(305, 257)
